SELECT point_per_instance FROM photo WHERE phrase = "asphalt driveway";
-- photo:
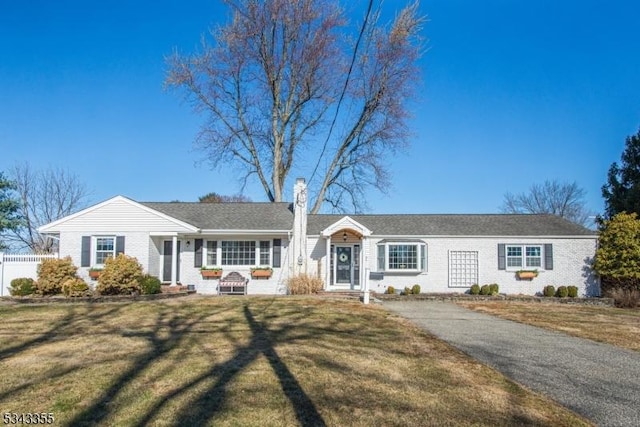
(599, 381)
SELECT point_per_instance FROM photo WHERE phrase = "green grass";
(248, 361)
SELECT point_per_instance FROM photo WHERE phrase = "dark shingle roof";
(229, 216)
(457, 225)
(278, 216)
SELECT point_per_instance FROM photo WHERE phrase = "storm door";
(344, 264)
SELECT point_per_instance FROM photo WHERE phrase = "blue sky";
(513, 93)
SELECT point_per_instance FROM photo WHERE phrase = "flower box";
(211, 273)
(526, 274)
(261, 273)
(94, 274)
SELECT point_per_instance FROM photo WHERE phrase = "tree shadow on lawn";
(211, 400)
(65, 327)
(204, 407)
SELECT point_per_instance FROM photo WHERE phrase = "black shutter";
(277, 252)
(197, 260)
(119, 245)
(502, 258)
(85, 252)
(548, 256)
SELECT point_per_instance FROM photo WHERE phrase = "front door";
(166, 257)
(344, 265)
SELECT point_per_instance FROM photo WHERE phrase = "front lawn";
(616, 326)
(248, 361)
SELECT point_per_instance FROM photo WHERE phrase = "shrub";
(304, 284)
(624, 298)
(121, 275)
(391, 290)
(415, 289)
(562, 292)
(549, 291)
(485, 290)
(407, 291)
(573, 291)
(617, 259)
(22, 286)
(475, 289)
(52, 273)
(494, 289)
(75, 287)
(150, 284)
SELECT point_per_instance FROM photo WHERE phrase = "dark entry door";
(166, 270)
(343, 264)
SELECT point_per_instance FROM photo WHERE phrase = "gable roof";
(457, 225)
(229, 216)
(117, 213)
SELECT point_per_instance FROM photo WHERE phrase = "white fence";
(13, 266)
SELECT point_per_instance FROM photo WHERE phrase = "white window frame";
(524, 259)
(205, 254)
(421, 251)
(256, 256)
(94, 249)
(269, 253)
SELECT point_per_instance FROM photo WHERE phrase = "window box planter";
(526, 274)
(211, 273)
(261, 272)
(94, 273)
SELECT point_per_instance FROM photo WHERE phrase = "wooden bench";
(233, 284)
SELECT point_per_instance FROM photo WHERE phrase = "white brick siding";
(135, 244)
(571, 265)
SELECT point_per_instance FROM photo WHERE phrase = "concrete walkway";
(599, 381)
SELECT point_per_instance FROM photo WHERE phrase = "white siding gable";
(118, 215)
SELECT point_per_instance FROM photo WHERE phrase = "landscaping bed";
(60, 299)
(607, 302)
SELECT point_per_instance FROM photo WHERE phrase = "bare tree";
(552, 197)
(288, 85)
(44, 196)
(214, 197)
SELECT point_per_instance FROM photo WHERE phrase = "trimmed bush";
(415, 289)
(573, 291)
(304, 284)
(549, 291)
(391, 290)
(407, 291)
(22, 286)
(494, 289)
(121, 276)
(485, 290)
(75, 287)
(562, 292)
(475, 289)
(624, 298)
(52, 273)
(150, 284)
(617, 259)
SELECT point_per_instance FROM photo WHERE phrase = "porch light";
(344, 236)
(188, 243)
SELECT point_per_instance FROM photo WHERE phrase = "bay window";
(402, 256)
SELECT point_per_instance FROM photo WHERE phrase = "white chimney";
(299, 238)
